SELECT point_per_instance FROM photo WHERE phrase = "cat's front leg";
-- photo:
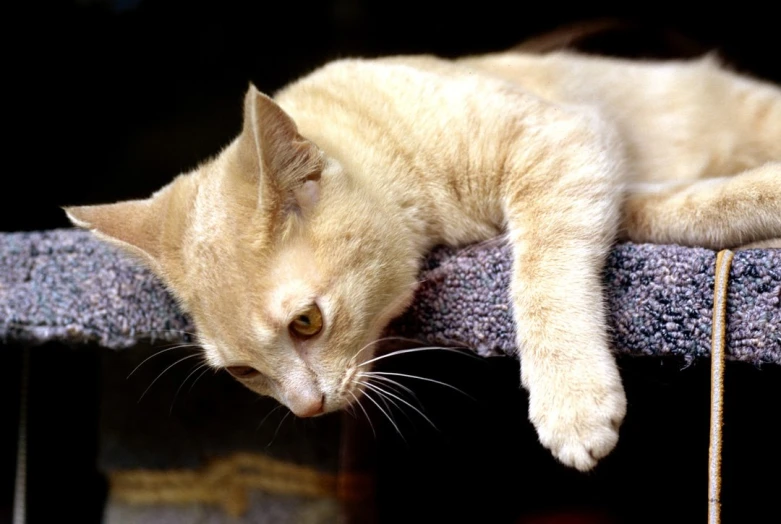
(561, 221)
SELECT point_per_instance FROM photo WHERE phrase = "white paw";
(577, 417)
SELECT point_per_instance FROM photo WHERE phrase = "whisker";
(277, 430)
(179, 343)
(366, 394)
(414, 350)
(163, 373)
(385, 399)
(394, 382)
(384, 373)
(164, 330)
(385, 339)
(278, 406)
(193, 371)
(375, 386)
(199, 377)
(160, 353)
(368, 419)
(373, 342)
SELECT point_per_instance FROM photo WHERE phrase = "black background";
(110, 100)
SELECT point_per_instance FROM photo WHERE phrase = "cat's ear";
(134, 225)
(286, 165)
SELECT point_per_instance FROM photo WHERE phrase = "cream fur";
(333, 193)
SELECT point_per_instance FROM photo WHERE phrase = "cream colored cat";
(302, 239)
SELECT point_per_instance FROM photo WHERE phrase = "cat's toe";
(575, 456)
(580, 428)
(581, 449)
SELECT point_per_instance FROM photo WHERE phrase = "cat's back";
(411, 84)
(684, 114)
(677, 118)
(423, 80)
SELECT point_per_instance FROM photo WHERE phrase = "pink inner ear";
(308, 194)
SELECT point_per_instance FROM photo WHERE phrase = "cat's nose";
(310, 408)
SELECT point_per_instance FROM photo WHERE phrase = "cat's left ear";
(286, 165)
(134, 225)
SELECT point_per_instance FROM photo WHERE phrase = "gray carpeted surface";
(65, 285)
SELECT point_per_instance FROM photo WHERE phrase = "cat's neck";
(392, 185)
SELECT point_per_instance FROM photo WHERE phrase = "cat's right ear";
(285, 165)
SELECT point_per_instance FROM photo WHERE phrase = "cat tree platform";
(64, 285)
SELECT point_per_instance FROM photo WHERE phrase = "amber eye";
(242, 371)
(308, 323)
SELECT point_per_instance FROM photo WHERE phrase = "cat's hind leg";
(717, 213)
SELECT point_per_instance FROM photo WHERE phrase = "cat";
(296, 245)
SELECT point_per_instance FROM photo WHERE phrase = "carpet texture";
(67, 286)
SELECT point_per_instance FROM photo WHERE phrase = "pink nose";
(310, 408)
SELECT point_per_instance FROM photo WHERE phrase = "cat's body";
(296, 246)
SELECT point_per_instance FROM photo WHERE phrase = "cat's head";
(288, 265)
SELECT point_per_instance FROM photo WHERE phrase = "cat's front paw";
(578, 417)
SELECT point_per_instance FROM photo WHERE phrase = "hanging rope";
(718, 343)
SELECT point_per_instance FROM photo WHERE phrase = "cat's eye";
(307, 323)
(242, 372)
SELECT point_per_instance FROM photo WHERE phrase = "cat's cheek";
(395, 308)
(257, 385)
(271, 389)
(212, 355)
(306, 349)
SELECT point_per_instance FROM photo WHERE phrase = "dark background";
(108, 100)
(115, 97)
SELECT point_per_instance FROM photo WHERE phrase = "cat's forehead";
(225, 202)
(253, 293)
